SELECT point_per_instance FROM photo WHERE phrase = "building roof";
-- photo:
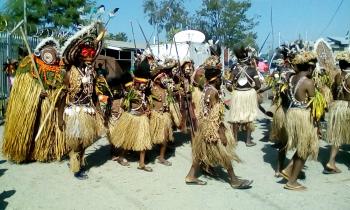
(120, 45)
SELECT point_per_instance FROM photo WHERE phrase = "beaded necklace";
(292, 91)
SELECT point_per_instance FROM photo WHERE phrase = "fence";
(9, 46)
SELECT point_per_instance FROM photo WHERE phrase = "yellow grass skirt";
(51, 143)
(161, 127)
(196, 100)
(130, 132)
(302, 134)
(244, 106)
(278, 132)
(207, 146)
(327, 93)
(175, 112)
(82, 129)
(20, 119)
(338, 129)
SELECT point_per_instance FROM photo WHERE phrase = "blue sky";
(291, 18)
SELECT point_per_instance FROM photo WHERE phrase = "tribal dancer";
(120, 88)
(31, 105)
(213, 144)
(160, 119)
(103, 90)
(279, 83)
(83, 124)
(10, 69)
(300, 125)
(188, 114)
(132, 130)
(338, 132)
(244, 102)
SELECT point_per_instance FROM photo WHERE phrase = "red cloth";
(263, 67)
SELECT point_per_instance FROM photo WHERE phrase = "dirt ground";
(112, 186)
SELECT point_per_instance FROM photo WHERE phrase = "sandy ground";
(112, 186)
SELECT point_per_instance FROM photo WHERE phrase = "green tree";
(168, 15)
(55, 14)
(118, 37)
(227, 21)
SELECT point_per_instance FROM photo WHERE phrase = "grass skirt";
(161, 127)
(327, 93)
(278, 132)
(338, 130)
(244, 106)
(302, 134)
(51, 144)
(207, 146)
(175, 112)
(130, 132)
(21, 117)
(82, 129)
(196, 100)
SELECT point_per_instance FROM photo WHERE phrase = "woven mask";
(49, 55)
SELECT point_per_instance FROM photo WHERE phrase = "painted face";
(87, 54)
(188, 68)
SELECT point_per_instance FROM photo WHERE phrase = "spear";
(31, 57)
(144, 36)
(133, 35)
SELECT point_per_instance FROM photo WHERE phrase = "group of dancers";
(54, 108)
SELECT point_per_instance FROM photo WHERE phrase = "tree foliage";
(168, 15)
(224, 20)
(121, 36)
(54, 14)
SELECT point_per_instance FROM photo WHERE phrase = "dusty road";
(111, 186)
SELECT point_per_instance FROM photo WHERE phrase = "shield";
(325, 56)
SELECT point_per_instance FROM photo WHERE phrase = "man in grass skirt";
(213, 144)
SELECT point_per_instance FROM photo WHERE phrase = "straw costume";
(244, 101)
(161, 97)
(300, 121)
(207, 145)
(339, 114)
(197, 82)
(280, 103)
(38, 138)
(338, 132)
(186, 103)
(83, 124)
(132, 130)
(161, 122)
(120, 87)
(213, 144)
(50, 143)
(302, 134)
